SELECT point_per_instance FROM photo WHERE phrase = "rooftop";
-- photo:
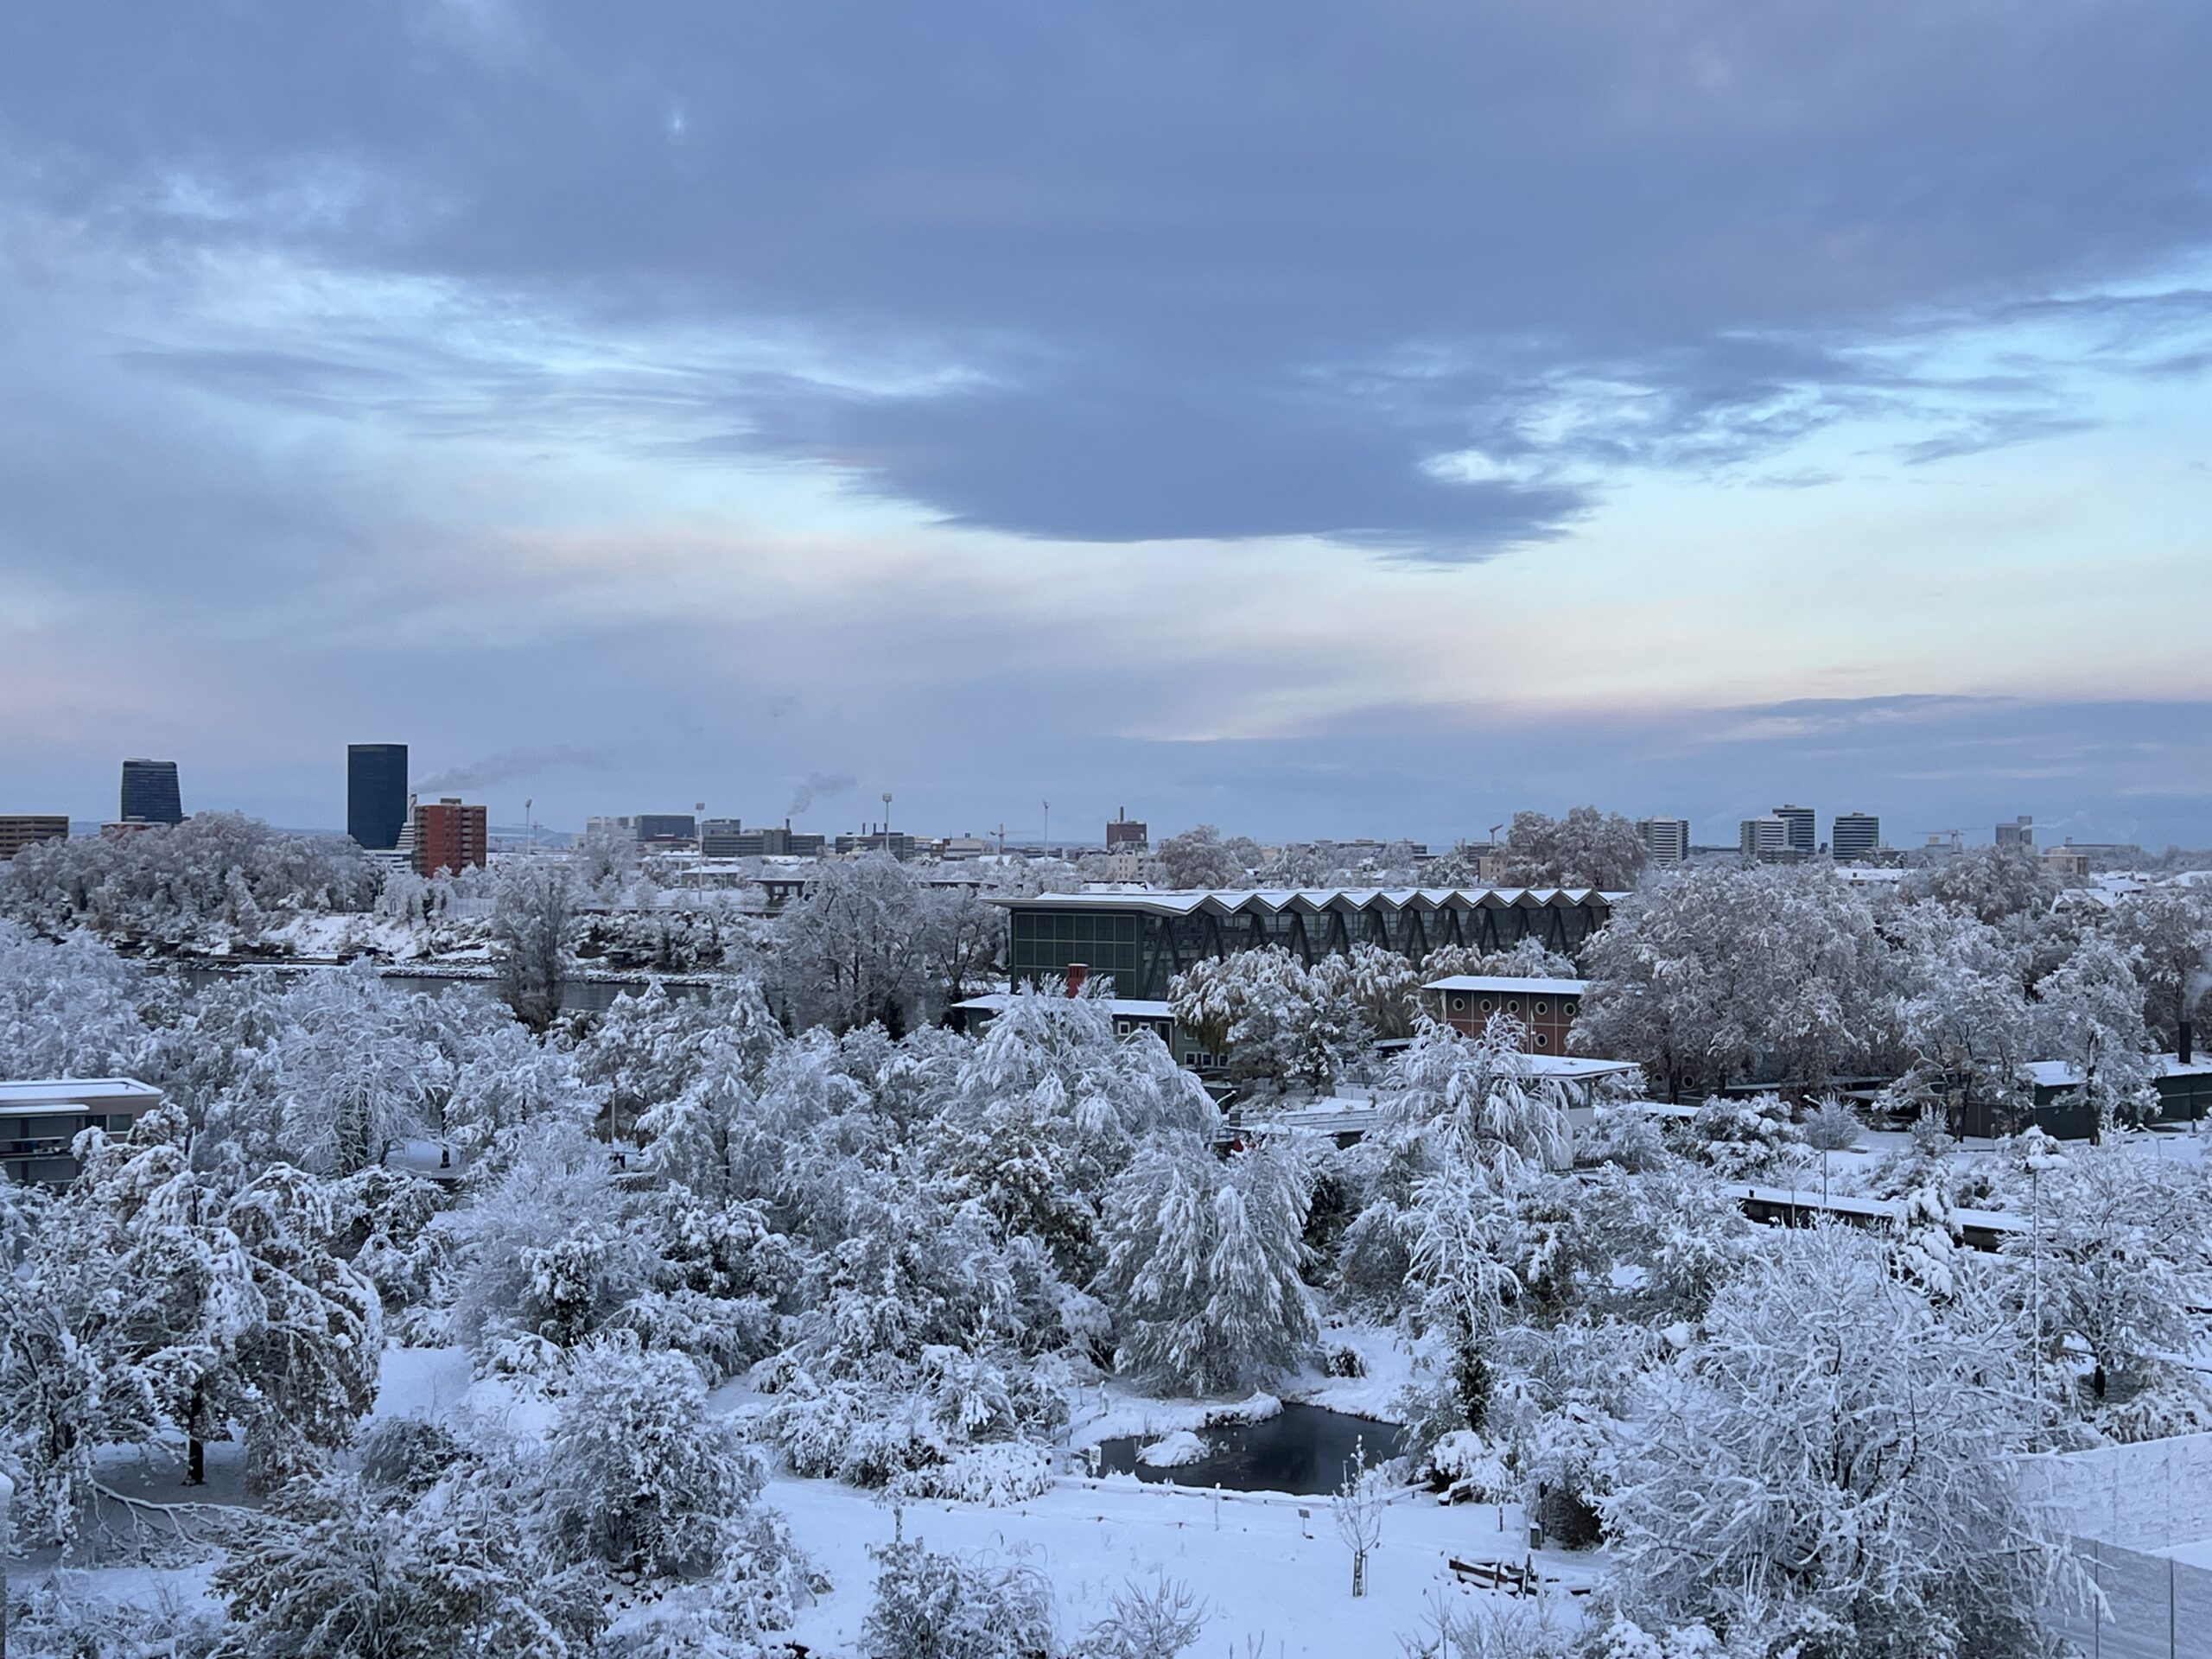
(47, 1092)
(1507, 984)
(1225, 901)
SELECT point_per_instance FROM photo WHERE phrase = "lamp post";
(1048, 829)
(7, 1502)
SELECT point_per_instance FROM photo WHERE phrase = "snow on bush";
(994, 1475)
(1172, 1451)
(930, 1605)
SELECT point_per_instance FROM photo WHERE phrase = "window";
(1570, 1007)
(1542, 1041)
(1458, 1004)
(1513, 1004)
(1540, 1007)
(1121, 1027)
(1490, 1005)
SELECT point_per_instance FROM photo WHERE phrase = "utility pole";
(1048, 829)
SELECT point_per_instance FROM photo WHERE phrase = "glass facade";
(1044, 943)
(1143, 951)
(149, 792)
(376, 794)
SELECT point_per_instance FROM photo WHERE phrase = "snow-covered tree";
(1714, 975)
(2089, 1014)
(930, 1605)
(69, 1010)
(1963, 999)
(638, 1476)
(1278, 1022)
(1203, 1264)
(533, 929)
(1586, 848)
(510, 1080)
(859, 946)
(353, 1079)
(1837, 1445)
(1200, 858)
(1381, 986)
(2168, 929)
(1996, 885)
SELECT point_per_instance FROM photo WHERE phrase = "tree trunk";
(195, 1449)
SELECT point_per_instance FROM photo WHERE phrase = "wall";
(2146, 1496)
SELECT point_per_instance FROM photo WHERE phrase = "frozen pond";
(1302, 1449)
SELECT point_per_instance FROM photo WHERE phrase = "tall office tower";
(1764, 838)
(450, 836)
(1666, 840)
(2021, 832)
(1856, 836)
(149, 792)
(376, 794)
(1798, 821)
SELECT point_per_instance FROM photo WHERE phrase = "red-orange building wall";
(449, 836)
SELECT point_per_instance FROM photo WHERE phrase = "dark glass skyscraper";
(149, 792)
(376, 794)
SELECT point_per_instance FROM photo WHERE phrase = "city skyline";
(1390, 419)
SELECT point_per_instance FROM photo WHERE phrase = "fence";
(2155, 1607)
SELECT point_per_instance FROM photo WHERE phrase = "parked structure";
(40, 1120)
(19, 830)
(449, 836)
(151, 794)
(1544, 1008)
(1142, 940)
(376, 794)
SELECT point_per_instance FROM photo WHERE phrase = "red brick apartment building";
(450, 836)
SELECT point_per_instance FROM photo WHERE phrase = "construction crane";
(1958, 837)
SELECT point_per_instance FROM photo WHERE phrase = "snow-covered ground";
(1269, 1568)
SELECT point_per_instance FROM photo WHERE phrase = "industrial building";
(1142, 940)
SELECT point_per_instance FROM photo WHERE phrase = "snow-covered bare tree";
(1276, 1021)
(1839, 1445)
(1357, 1511)
(857, 947)
(354, 1080)
(2168, 929)
(1964, 1005)
(1200, 858)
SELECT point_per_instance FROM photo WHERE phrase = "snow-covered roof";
(45, 1094)
(1128, 1007)
(2060, 1074)
(1847, 1204)
(1508, 983)
(1274, 900)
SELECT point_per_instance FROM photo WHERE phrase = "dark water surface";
(1301, 1450)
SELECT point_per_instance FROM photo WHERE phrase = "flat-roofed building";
(1666, 840)
(376, 795)
(1142, 940)
(1856, 835)
(1802, 832)
(1764, 838)
(150, 793)
(40, 1118)
(19, 830)
(450, 835)
(1544, 1008)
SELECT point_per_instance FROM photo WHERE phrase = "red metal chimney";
(1077, 972)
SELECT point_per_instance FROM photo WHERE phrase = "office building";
(2021, 832)
(149, 792)
(722, 838)
(1856, 836)
(376, 794)
(19, 830)
(1798, 828)
(666, 829)
(1764, 838)
(1142, 940)
(1126, 834)
(451, 836)
(1666, 840)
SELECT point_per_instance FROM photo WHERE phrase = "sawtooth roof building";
(1142, 940)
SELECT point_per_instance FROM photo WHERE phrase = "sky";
(1315, 420)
